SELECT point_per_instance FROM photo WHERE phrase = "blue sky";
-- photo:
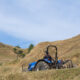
(23, 22)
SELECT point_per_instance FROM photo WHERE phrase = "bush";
(18, 47)
(15, 50)
(19, 53)
(23, 55)
(30, 48)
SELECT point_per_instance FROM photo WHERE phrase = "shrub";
(15, 50)
(18, 47)
(19, 53)
(30, 48)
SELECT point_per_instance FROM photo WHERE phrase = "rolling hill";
(67, 49)
(7, 53)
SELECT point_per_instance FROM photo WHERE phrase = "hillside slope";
(67, 49)
(6, 53)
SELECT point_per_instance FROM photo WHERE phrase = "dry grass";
(66, 74)
(67, 49)
(7, 54)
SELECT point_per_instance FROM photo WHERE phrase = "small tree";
(15, 50)
(18, 47)
(23, 55)
(20, 52)
(30, 48)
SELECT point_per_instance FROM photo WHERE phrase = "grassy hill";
(67, 49)
(7, 53)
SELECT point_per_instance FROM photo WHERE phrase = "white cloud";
(33, 5)
(43, 21)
